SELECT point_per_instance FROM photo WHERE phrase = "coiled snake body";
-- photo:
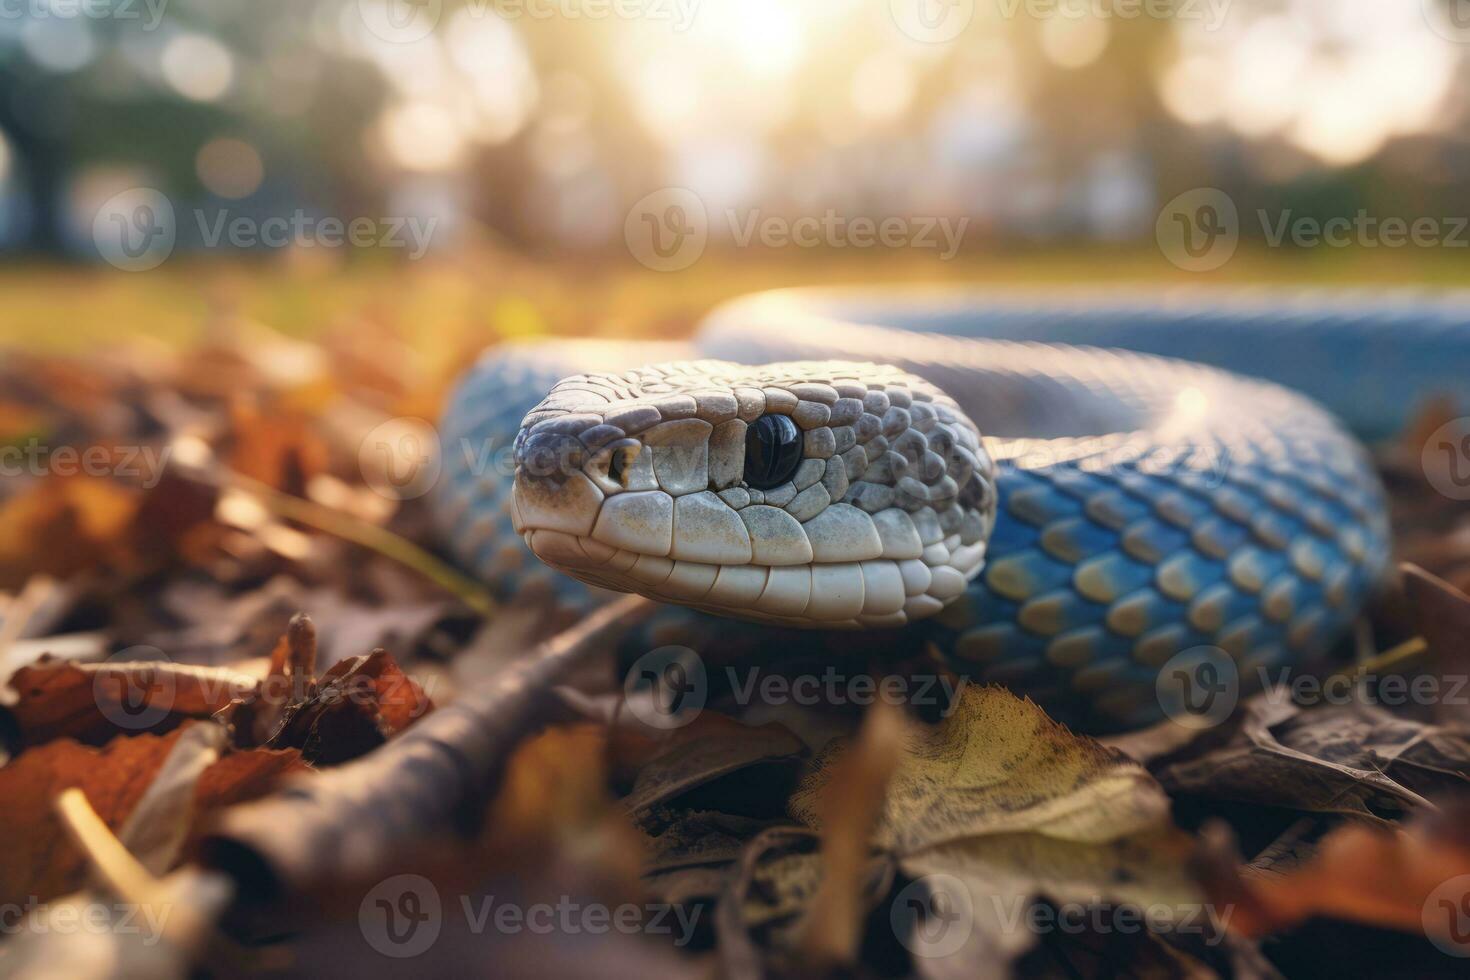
(814, 460)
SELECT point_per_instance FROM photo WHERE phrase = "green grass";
(78, 307)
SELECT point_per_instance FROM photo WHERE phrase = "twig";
(370, 536)
(434, 777)
(118, 872)
(1392, 659)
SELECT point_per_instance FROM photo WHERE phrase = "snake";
(1059, 492)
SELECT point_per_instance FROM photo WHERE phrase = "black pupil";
(772, 451)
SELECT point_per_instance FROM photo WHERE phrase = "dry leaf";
(1352, 759)
(712, 746)
(1416, 879)
(356, 706)
(114, 778)
(95, 702)
(1443, 616)
(998, 805)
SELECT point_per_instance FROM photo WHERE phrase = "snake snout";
(810, 494)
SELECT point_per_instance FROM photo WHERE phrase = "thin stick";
(433, 778)
(370, 536)
(1392, 659)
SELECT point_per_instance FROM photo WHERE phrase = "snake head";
(815, 494)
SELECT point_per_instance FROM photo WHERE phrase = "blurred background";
(523, 166)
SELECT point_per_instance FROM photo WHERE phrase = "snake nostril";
(618, 462)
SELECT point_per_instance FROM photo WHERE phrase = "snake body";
(1120, 508)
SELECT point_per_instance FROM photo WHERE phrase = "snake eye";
(772, 451)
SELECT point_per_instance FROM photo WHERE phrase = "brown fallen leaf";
(64, 525)
(114, 778)
(850, 805)
(92, 703)
(1443, 616)
(997, 806)
(1352, 759)
(353, 708)
(710, 747)
(1416, 879)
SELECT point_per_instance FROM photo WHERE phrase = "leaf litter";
(238, 680)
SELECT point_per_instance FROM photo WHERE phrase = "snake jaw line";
(639, 482)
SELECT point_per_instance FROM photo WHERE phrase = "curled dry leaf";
(850, 805)
(998, 805)
(114, 779)
(710, 747)
(356, 706)
(1352, 759)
